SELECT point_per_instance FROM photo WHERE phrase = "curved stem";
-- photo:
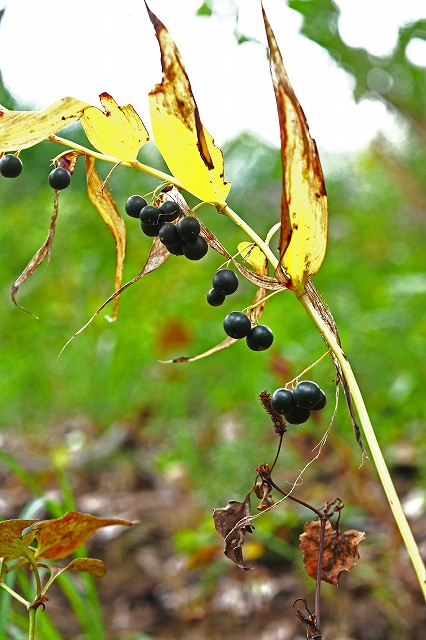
(263, 246)
(376, 453)
(135, 164)
(15, 595)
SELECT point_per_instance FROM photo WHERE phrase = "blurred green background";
(203, 421)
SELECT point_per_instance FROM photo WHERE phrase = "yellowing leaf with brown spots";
(303, 236)
(22, 129)
(59, 537)
(184, 143)
(116, 131)
(101, 197)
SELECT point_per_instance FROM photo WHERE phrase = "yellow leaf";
(119, 132)
(303, 236)
(254, 256)
(185, 145)
(22, 129)
(101, 197)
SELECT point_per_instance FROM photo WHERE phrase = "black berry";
(168, 234)
(306, 394)
(150, 230)
(215, 298)
(321, 402)
(133, 205)
(237, 324)
(298, 415)
(175, 249)
(259, 338)
(10, 166)
(188, 228)
(59, 178)
(225, 281)
(195, 250)
(148, 214)
(169, 211)
(282, 401)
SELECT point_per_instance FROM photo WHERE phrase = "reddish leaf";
(101, 197)
(39, 257)
(90, 565)
(12, 542)
(60, 537)
(340, 550)
(233, 522)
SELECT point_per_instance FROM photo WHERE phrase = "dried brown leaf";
(101, 197)
(39, 257)
(232, 523)
(340, 550)
(90, 565)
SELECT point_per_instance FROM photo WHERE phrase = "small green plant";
(197, 167)
(38, 545)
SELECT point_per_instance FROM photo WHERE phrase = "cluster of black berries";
(237, 324)
(180, 238)
(296, 405)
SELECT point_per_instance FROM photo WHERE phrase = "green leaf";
(206, 10)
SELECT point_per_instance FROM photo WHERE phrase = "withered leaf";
(59, 537)
(340, 550)
(39, 257)
(22, 129)
(303, 235)
(184, 143)
(308, 620)
(232, 523)
(101, 197)
(13, 542)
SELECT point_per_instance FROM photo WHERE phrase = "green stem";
(32, 626)
(376, 453)
(15, 595)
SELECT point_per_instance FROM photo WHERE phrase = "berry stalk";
(376, 453)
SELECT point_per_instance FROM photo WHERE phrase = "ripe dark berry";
(259, 338)
(321, 403)
(225, 281)
(148, 215)
(169, 211)
(188, 228)
(59, 178)
(215, 298)
(298, 415)
(168, 234)
(133, 205)
(282, 401)
(195, 250)
(306, 394)
(150, 230)
(237, 324)
(10, 166)
(175, 249)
